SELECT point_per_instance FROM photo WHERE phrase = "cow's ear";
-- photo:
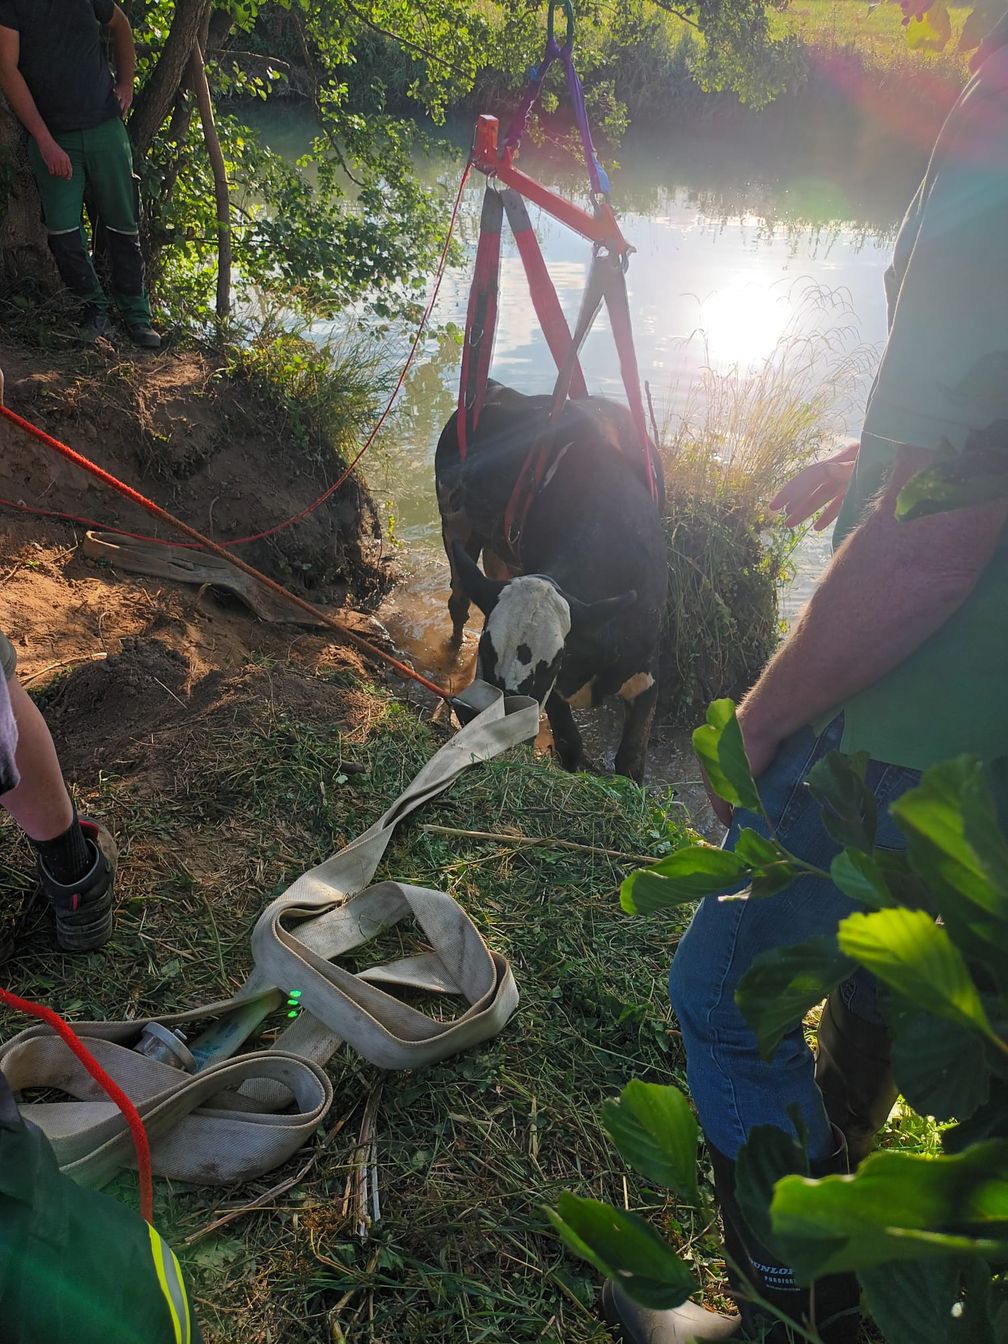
(591, 615)
(475, 584)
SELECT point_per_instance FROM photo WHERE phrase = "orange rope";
(127, 491)
(108, 1085)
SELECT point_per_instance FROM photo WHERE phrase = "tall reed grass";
(741, 435)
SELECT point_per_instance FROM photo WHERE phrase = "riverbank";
(228, 755)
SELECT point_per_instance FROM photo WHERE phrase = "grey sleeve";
(103, 10)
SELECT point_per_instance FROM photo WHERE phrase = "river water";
(743, 253)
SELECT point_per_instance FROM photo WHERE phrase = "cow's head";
(528, 622)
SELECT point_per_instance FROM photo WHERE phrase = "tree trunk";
(157, 97)
(23, 251)
(221, 194)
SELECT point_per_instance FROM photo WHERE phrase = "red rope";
(344, 476)
(121, 488)
(108, 1085)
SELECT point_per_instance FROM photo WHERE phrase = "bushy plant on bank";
(926, 1235)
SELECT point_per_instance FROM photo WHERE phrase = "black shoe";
(83, 909)
(96, 325)
(145, 336)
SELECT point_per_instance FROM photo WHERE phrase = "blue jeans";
(732, 1087)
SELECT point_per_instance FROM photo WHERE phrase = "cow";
(573, 615)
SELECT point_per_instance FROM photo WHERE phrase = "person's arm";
(820, 485)
(889, 588)
(23, 106)
(124, 58)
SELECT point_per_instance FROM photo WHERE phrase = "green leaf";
(772, 866)
(849, 813)
(989, 1121)
(685, 875)
(767, 1156)
(930, 31)
(954, 841)
(861, 878)
(974, 475)
(624, 1247)
(897, 1207)
(719, 746)
(782, 984)
(940, 1068)
(907, 950)
(912, 1303)
(656, 1133)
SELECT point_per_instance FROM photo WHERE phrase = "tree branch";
(395, 37)
(157, 97)
(676, 13)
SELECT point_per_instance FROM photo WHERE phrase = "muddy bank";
(224, 451)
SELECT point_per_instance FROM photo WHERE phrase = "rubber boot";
(854, 1076)
(688, 1324)
(831, 1304)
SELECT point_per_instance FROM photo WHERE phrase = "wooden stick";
(65, 662)
(546, 842)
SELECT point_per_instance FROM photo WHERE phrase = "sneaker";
(145, 336)
(96, 325)
(83, 910)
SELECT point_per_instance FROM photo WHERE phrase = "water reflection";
(734, 228)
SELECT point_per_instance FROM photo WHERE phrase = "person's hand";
(821, 485)
(124, 96)
(57, 160)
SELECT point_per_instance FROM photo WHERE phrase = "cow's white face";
(522, 644)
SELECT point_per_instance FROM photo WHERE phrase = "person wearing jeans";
(56, 78)
(902, 654)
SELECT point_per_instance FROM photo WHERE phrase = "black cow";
(577, 618)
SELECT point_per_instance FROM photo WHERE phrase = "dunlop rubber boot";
(831, 1305)
(854, 1076)
(83, 909)
(688, 1324)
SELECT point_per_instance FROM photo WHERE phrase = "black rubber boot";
(854, 1076)
(831, 1304)
(83, 909)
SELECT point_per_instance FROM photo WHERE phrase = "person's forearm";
(889, 588)
(124, 53)
(22, 104)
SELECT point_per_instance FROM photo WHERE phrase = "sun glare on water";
(743, 320)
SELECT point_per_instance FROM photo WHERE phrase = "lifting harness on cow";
(606, 277)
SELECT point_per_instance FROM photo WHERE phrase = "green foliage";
(718, 744)
(921, 1231)
(654, 1130)
(623, 1246)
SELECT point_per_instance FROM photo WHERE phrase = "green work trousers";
(103, 163)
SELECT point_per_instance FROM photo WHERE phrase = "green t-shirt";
(944, 378)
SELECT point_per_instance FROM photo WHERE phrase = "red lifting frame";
(601, 228)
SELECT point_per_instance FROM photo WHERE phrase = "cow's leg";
(638, 717)
(458, 603)
(565, 732)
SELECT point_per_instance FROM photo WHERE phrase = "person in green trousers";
(57, 80)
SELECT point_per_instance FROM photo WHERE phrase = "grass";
(875, 31)
(218, 819)
(742, 435)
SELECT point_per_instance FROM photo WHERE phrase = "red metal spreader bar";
(601, 228)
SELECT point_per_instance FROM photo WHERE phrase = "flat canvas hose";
(238, 1118)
